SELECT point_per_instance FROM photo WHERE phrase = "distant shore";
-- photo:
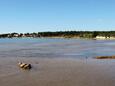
(96, 35)
(63, 38)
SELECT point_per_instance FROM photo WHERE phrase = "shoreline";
(96, 35)
(61, 38)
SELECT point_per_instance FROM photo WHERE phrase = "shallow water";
(55, 48)
(62, 72)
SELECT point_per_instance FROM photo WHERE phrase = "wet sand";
(57, 72)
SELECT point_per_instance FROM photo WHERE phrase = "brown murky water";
(54, 62)
(57, 72)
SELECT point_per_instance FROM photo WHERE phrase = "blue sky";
(56, 15)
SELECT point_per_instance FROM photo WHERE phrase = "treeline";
(81, 34)
(19, 35)
(65, 34)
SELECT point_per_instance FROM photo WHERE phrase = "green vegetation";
(64, 34)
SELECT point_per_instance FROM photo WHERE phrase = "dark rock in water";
(105, 57)
(29, 66)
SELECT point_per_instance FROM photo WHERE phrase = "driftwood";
(105, 57)
(24, 65)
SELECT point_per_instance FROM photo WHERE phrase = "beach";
(57, 72)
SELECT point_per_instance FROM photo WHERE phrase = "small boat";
(24, 65)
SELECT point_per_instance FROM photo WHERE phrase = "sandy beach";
(57, 72)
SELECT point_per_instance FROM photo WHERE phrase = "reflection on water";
(55, 48)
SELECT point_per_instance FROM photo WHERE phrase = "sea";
(55, 48)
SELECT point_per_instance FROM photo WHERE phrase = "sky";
(56, 15)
